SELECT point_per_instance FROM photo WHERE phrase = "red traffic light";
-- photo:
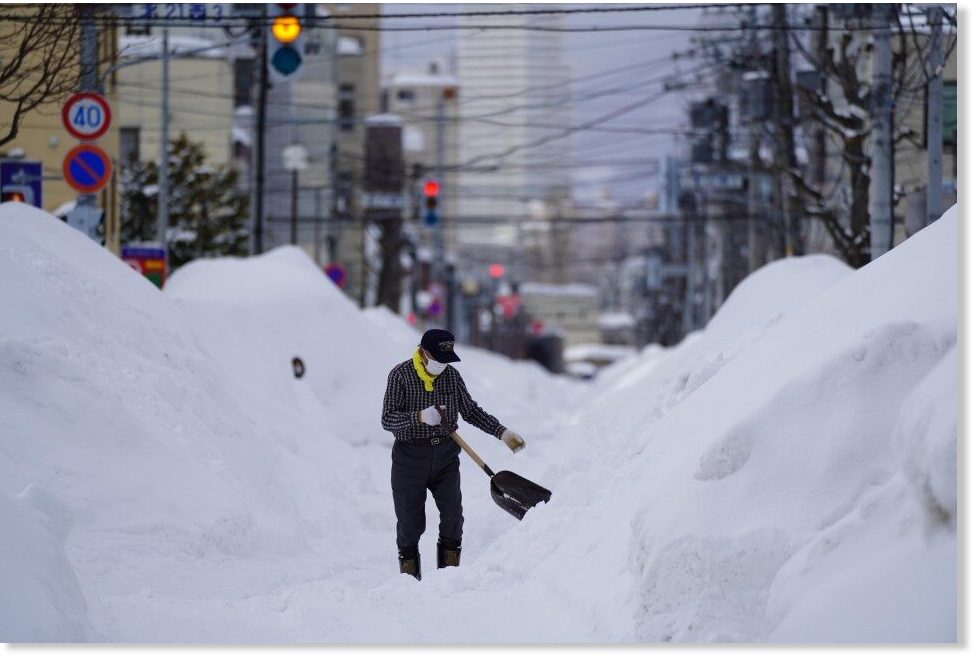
(431, 188)
(496, 271)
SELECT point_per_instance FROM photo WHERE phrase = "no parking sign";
(87, 168)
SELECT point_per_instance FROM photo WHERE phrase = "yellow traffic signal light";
(286, 29)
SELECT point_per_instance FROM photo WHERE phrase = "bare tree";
(39, 60)
(845, 116)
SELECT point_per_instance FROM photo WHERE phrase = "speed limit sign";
(86, 116)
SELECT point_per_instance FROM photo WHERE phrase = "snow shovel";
(512, 492)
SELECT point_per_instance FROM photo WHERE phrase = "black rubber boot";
(447, 553)
(409, 562)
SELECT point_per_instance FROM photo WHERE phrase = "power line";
(324, 23)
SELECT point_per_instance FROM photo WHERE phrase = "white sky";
(587, 53)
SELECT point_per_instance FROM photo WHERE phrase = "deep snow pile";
(764, 493)
(787, 474)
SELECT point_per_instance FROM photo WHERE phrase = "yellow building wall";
(200, 104)
(42, 137)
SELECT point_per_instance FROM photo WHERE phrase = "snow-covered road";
(787, 474)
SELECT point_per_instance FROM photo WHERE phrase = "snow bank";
(42, 599)
(109, 404)
(888, 570)
(254, 315)
(744, 451)
(786, 474)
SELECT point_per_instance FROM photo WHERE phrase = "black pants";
(416, 468)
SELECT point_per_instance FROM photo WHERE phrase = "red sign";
(87, 168)
(337, 273)
(86, 116)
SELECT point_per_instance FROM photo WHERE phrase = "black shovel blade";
(515, 494)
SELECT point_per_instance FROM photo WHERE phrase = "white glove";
(430, 416)
(513, 440)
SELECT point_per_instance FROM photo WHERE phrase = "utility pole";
(935, 109)
(439, 266)
(259, 127)
(162, 209)
(688, 204)
(784, 124)
(294, 207)
(820, 47)
(881, 153)
(756, 246)
(88, 78)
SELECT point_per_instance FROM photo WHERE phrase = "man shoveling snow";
(423, 397)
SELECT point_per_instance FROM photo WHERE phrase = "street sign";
(21, 181)
(382, 200)
(336, 272)
(86, 116)
(87, 168)
(150, 262)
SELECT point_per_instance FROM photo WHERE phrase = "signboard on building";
(21, 180)
(150, 262)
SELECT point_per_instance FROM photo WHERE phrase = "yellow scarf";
(421, 371)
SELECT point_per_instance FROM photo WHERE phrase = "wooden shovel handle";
(473, 455)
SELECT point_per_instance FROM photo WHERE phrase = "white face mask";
(434, 367)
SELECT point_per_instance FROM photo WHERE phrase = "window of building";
(128, 146)
(243, 81)
(406, 95)
(346, 107)
(133, 29)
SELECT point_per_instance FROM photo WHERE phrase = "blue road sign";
(87, 168)
(21, 181)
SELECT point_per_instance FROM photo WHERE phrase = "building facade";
(40, 135)
(513, 118)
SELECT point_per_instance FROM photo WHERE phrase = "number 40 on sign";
(86, 116)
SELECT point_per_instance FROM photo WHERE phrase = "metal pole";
(439, 255)
(783, 110)
(755, 253)
(162, 209)
(691, 258)
(259, 128)
(881, 170)
(318, 226)
(88, 75)
(935, 109)
(294, 207)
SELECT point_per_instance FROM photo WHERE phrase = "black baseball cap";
(439, 344)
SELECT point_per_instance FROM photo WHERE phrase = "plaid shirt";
(406, 396)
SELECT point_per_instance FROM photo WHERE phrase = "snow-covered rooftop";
(558, 289)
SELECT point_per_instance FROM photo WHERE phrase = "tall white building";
(514, 126)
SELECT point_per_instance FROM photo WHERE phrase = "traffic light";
(431, 190)
(285, 40)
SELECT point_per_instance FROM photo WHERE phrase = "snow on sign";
(86, 116)
(87, 168)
